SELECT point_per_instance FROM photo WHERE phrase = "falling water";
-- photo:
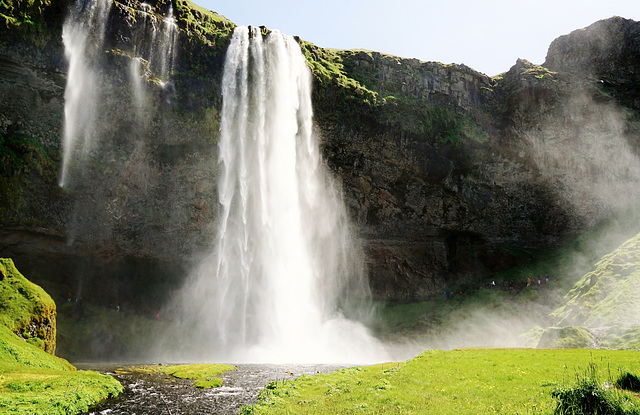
(166, 47)
(286, 281)
(83, 30)
(154, 51)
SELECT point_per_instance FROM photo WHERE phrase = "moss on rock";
(26, 309)
(572, 337)
(609, 294)
(32, 381)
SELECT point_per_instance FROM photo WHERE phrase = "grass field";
(462, 381)
(33, 382)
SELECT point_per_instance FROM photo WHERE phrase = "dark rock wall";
(443, 169)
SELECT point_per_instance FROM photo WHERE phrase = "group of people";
(518, 285)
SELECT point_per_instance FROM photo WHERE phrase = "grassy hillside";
(602, 309)
(33, 381)
(609, 294)
(512, 314)
(467, 381)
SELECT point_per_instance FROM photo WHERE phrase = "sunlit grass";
(464, 381)
(34, 382)
(51, 392)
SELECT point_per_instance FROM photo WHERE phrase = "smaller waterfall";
(153, 59)
(82, 35)
(154, 53)
(166, 46)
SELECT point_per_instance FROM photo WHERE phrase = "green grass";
(50, 392)
(590, 395)
(34, 382)
(463, 381)
(196, 370)
(17, 354)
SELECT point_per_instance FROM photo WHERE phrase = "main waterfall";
(286, 281)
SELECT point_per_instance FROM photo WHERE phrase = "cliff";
(447, 173)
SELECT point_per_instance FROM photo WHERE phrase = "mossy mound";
(33, 381)
(620, 338)
(566, 338)
(26, 309)
(607, 296)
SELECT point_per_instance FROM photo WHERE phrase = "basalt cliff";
(448, 174)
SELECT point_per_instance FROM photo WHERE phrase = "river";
(157, 394)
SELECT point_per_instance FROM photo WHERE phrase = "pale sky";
(486, 35)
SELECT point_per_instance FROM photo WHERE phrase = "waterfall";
(286, 281)
(154, 46)
(152, 56)
(82, 31)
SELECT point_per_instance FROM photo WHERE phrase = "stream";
(157, 394)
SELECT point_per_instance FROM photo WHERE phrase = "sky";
(489, 36)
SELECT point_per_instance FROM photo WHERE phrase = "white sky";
(486, 35)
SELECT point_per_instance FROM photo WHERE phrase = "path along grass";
(464, 381)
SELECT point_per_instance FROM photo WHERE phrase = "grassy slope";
(31, 380)
(505, 314)
(466, 381)
(34, 382)
(609, 294)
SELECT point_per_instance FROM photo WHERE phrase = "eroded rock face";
(443, 169)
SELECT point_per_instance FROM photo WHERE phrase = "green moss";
(620, 338)
(25, 308)
(25, 18)
(208, 383)
(571, 337)
(52, 392)
(195, 371)
(207, 26)
(609, 294)
(32, 381)
(24, 165)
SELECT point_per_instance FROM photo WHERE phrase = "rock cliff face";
(444, 169)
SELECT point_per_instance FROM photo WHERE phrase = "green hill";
(33, 381)
(609, 295)
(602, 310)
